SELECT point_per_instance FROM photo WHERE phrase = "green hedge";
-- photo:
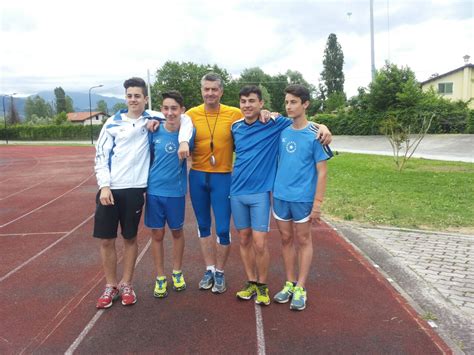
(450, 119)
(50, 132)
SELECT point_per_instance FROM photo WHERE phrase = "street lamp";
(5, 115)
(90, 109)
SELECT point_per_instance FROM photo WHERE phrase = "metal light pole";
(90, 110)
(372, 55)
(5, 115)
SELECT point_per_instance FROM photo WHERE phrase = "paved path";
(451, 147)
(435, 271)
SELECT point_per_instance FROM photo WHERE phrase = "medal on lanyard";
(212, 158)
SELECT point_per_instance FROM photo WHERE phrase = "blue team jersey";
(168, 175)
(298, 153)
(256, 149)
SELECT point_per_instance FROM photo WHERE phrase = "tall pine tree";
(333, 62)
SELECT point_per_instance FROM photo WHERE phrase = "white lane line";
(18, 192)
(260, 332)
(28, 234)
(47, 203)
(45, 249)
(99, 313)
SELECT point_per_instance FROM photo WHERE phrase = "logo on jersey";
(170, 147)
(291, 147)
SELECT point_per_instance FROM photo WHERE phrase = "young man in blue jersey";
(298, 194)
(165, 198)
(122, 162)
(256, 148)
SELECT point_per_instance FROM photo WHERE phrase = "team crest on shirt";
(291, 147)
(170, 147)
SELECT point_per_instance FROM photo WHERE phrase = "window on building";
(445, 88)
(96, 118)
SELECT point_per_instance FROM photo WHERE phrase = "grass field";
(428, 194)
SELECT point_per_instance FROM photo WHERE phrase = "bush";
(51, 132)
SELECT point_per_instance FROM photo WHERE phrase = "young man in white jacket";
(122, 163)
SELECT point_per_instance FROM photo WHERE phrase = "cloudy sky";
(78, 44)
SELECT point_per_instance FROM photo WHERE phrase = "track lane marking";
(47, 203)
(4, 277)
(98, 314)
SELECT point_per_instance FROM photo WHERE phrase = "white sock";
(221, 271)
(212, 268)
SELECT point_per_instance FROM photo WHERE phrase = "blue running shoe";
(219, 283)
(207, 280)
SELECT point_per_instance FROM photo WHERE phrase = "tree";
(119, 106)
(37, 106)
(333, 62)
(60, 118)
(267, 100)
(102, 106)
(13, 116)
(69, 104)
(186, 78)
(60, 100)
(386, 91)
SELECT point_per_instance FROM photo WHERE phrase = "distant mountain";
(80, 101)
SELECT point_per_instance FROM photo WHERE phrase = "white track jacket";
(122, 157)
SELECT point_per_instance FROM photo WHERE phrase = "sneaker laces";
(298, 293)
(109, 290)
(126, 289)
(178, 277)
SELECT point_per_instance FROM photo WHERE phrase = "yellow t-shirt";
(223, 143)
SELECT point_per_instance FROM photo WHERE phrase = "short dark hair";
(251, 89)
(212, 77)
(298, 91)
(136, 82)
(175, 95)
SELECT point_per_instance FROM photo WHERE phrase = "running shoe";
(285, 294)
(298, 303)
(207, 280)
(249, 290)
(219, 283)
(262, 295)
(128, 295)
(160, 287)
(178, 281)
(110, 294)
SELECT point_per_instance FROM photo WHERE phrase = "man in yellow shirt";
(210, 176)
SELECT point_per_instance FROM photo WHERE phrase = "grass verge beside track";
(428, 194)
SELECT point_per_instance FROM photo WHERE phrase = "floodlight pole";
(90, 109)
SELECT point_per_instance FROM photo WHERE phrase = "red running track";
(50, 278)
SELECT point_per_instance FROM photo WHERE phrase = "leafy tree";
(276, 88)
(393, 88)
(119, 106)
(37, 120)
(13, 117)
(335, 101)
(253, 76)
(102, 106)
(69, 104)
(60, 100)
(37, 106)
(267, 100)
(186, 78)
(333, 62)
(60, 118)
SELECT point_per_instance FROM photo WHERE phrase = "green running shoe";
(160, 287)
(298, 303)
(178, 281)
(249, 290)
(284, 295)
(262, 295)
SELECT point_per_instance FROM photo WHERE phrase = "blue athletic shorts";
(211, 190)
(160, 210)
(252, 210)
(298, 212)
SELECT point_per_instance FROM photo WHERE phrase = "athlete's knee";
(158, 235)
